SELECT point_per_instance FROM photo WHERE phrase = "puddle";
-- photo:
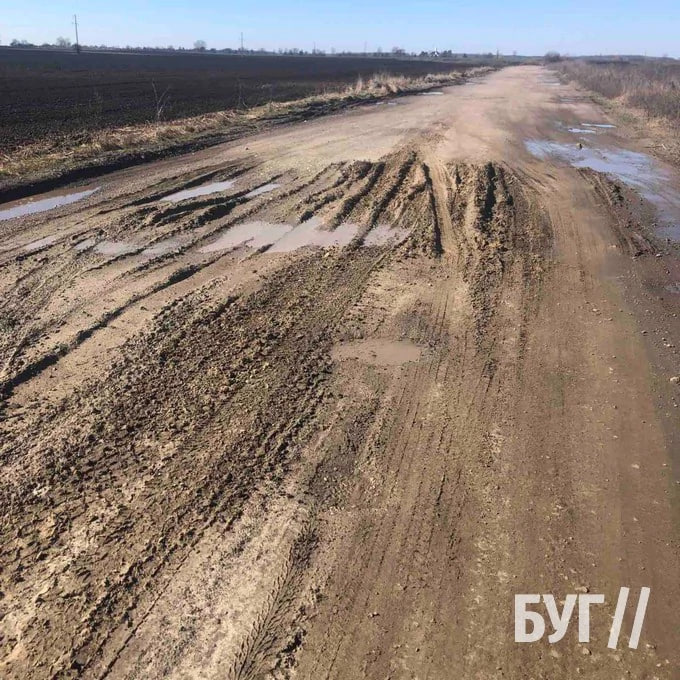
(384, 233)
(673, 288)
(264, 189)
(285, 238)
(194, 192)
(671, 232)
(163, 247)
(251, 234)
(312, 233)
(582, 131)
(115, 248)
(378, 352)
(637, 170)
(87, 243)
(430, 94)
(598, 125)
(36, 206)
(123, 247)
(40, 243)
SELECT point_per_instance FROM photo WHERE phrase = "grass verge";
(645, 96)
(653, 86)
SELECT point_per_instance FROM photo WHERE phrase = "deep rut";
(194, 479)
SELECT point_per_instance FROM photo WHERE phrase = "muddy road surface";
(319, 403)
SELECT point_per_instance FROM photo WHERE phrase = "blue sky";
(527, 26)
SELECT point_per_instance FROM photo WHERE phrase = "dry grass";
(42, 156)
(653, 86)
(385, 84)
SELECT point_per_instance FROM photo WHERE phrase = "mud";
(39, 244)
(378, 352)
(331, 430)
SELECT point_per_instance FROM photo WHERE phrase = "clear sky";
(527, 26)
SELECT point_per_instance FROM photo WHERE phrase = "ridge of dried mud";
(110, 483)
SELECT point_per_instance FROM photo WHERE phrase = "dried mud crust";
(116, 474)
(191, 484)
(395, 482)
(108, 486)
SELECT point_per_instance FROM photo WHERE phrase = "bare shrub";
(652, 85)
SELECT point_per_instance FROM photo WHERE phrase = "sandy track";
(264, 459)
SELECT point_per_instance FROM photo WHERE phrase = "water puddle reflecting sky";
(115, 247)
(285, 238)
(265, 188)
(598, 125)
(32, 206)
(195, 192)
(637, 170)
(252, 234)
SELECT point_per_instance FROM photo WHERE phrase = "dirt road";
(405, 363)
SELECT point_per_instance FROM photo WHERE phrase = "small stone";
(675, 379)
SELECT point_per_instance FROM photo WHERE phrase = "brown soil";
(342, 462)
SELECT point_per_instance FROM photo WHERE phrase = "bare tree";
(63, 42)
(200, 45)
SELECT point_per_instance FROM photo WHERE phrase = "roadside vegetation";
(650, 85)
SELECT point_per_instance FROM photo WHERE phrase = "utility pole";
(241, 41)
(75, 23)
